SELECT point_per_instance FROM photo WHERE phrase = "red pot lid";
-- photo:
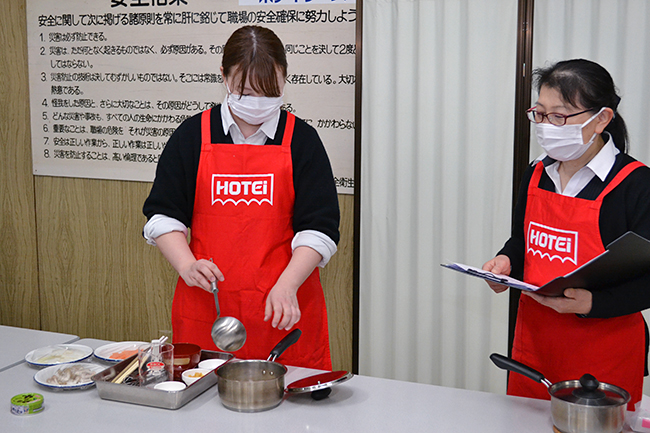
(319, 381)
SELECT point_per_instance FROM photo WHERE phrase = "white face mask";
(254, 110)
(564, 143)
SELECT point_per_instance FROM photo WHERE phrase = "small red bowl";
(186, 356)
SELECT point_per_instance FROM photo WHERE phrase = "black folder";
(625, 259)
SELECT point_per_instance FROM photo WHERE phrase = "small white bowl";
(193, 374)
(170, 386)
(211, 364)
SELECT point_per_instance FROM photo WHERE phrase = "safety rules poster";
(110, 80)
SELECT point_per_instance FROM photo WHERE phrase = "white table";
(362, 404)
(18, 342)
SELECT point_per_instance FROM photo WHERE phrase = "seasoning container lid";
(24, 404)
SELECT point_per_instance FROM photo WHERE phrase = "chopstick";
(127, 371)
(134, 364)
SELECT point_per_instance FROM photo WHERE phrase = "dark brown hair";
(255, 52)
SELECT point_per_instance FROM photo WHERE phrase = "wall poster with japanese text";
(110, 80)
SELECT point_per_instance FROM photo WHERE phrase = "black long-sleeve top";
(316, 202)
(626, 208)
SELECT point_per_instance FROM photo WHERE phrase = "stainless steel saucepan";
(247, 385)
(256, 385)
(577, 406)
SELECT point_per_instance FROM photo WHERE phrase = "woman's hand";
(197, 273)
(576, 301)
(282, 305)
(282, 301)
(498, 265)
(200, 273)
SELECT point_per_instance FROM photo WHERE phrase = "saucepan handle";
(505, 363)
(284, 344)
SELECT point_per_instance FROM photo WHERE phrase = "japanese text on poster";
(110, 80)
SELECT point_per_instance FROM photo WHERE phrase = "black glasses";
(556, 119)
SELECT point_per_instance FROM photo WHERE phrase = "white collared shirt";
(600, 165)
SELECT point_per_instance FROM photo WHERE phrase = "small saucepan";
(256, 385)
(577, 406)
(248, 385)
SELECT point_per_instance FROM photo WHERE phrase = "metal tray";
(154, 397)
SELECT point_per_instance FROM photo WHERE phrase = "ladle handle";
(284, 344)
(213, 286)
(506, 363)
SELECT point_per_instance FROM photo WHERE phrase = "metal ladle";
(228, 333)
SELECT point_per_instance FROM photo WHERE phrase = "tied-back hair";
(257, 53)
(585, 85)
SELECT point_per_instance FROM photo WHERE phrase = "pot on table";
(248, 385)
(577, 406)
(257, 385)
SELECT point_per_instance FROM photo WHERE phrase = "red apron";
(562, 233)
(243, 214)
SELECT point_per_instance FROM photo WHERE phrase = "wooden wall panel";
(336, 278)
(19, 303)
(74, 246)
(98, 277)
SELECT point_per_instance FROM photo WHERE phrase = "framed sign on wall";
(111, 80)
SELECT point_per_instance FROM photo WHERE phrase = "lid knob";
(589, 388)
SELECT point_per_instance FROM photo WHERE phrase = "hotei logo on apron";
(242, 188)
(552, 243)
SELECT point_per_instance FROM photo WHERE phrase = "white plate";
(104, 353)
(68, 376)
(58, 354)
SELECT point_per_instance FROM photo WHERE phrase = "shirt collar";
(602, 163)
(268, 128)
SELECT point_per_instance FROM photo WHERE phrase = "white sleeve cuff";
(159, 225)
(317, 241)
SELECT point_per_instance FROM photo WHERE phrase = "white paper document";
(496, 278)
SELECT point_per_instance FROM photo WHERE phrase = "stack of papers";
(496, 278)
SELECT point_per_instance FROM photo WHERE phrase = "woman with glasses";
(584, 192)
